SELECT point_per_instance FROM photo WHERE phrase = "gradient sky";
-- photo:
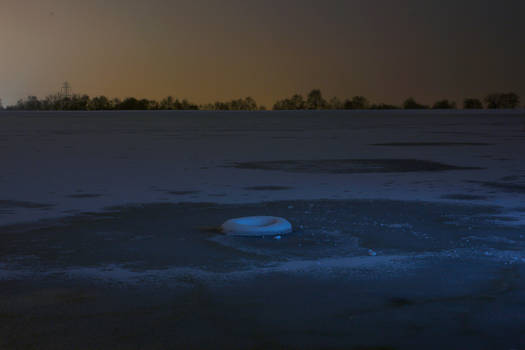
(214, 50)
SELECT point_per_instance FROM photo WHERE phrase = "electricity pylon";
(65, 91)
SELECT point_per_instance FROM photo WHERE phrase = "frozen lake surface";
(409, 230)
(62, 163)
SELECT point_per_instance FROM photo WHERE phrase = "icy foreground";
(409, 230)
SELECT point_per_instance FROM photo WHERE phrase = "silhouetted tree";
(153, 104)
(472, 103)
(279, 105)
(246, 104)
(498, 100)
(166, 103)
(30, 103)
(360, 102)
(127, 103)
(1, 105)
(51, 102)
(383, 106)
(444, 104)
(241, 104)
(186, 105)
(295, 102)
(335, 103)
(250, 104)
(115, 102)
(315, 100)
(77, 103)
(99, 103)
(357, 102)
(131, 103)
(410, 103)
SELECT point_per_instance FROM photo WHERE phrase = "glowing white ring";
(256, 226)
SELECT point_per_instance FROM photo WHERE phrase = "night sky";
(222, 49)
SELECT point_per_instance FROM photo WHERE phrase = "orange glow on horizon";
(219, 50)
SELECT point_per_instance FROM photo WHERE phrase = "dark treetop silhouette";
(314, 101)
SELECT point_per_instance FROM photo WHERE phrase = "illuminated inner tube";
(256, 226)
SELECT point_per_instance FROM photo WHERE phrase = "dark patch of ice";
(507, 187)
(399, 302)
(461, 196)
(432, 144)
(182, 193)
(85, 195)
(8, 204)
(350, 166)
(268, 188)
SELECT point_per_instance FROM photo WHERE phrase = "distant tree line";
(313, 101)
(77, 102)
(241, 104)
